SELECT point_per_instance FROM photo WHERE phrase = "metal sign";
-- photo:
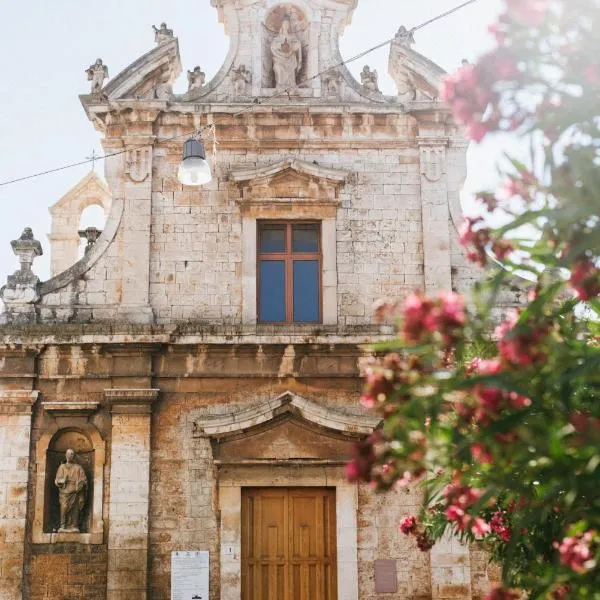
(386, 578)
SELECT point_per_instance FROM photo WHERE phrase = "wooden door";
(288, 544)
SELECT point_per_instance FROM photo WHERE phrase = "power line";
(254, 104)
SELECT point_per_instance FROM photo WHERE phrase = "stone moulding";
(70, 409)
(17, 401)
(91, 258)
(300, 166)
(132, 401)
(236, 423)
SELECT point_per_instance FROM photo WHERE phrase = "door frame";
(233, 478)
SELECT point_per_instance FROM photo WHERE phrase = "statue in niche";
(332, 83)
(196, 79)
(162, 35)
(286, 50)
(241, 78)
(370, 79)
(72, 483)
(97, 73)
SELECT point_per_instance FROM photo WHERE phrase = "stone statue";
(405, 37)
(196, 79)
(286, 49)
(332, 82)
(97, 73)
(370, 79)
(71, 482)
(241, 78)
(163, 34)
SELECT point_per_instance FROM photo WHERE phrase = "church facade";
(188, 389)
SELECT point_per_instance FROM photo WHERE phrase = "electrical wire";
(256, 102)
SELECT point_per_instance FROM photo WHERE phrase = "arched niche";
(89, 447)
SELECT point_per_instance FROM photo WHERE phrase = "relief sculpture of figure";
(241, 80)
(97, 73)
(286, 49)
(71, 482)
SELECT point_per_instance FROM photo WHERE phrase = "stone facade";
(148, 351)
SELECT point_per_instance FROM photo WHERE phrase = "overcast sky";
(46, 47)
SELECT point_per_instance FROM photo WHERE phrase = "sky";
(48, 46)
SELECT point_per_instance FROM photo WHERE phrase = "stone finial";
(20, 292)
(196, 79)
(370, 79)
(91, 235)
(405, 37)
(97, 73)
(162, 34)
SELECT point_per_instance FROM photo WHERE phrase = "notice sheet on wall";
(189, 575)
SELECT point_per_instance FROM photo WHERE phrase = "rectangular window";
(289, 272)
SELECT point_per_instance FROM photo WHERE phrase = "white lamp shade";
(194, 170)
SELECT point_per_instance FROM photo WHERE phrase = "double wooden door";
(288, 544)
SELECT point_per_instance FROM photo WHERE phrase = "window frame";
(288, 256)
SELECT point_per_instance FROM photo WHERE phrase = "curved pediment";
(286, 428)
(285, 406)
(150, 77)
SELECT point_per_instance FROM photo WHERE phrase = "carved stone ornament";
(370, 79)
(138, 164)
(21, 286)
(433, 160)
(162, 34)
(242, 78)
(97, 73)
(196, 79)
(286, 49)
(332, 84)
(405, 37)
(71, 482)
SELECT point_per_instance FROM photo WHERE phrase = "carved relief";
(433, 161)
(285, 49)
(138, 164)
(332, 84)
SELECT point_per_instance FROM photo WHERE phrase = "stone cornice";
(71, 409)
(17, 402)
(300, 166)
(131, 401)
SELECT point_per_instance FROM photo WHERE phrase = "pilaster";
(129, 492)
(15, 432)
(435, 213)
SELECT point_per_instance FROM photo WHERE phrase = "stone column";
(435, 213)
(129, 493)
(15, 430)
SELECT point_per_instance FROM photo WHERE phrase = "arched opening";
(62, 441)
(92, 220)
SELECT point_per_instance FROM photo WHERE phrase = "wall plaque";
(189, 575)
(386, 579)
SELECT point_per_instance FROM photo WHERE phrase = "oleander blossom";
(585, 279)
(408, 525)
(499, 526)
(443, 315)
(520, 344)
(576, 552)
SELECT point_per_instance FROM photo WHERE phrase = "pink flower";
(575, 552)
(519, 344)
(481, 454)
(454, 513)
(408, 525)
(585, 279)
(499, 527)
(531, 13)
(479, 527)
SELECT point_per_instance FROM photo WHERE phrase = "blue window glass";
(272, 239)
(271, 295)
(306, 291)
(305, 238)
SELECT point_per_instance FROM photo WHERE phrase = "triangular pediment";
(90, 190)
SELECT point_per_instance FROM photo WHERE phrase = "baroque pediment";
(288, 427)
(290, 181)
(417, 78)
(150, 77)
